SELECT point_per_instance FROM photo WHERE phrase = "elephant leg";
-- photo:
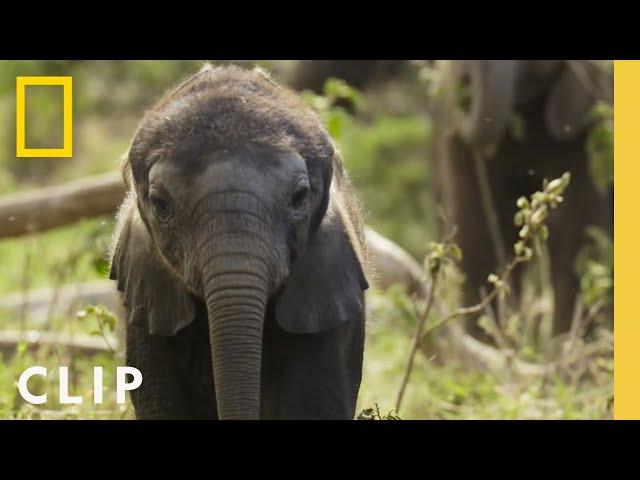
(192, 351)
(161, 395)
(562, 251)
(583, 206)
(460, 198)
(313, 376)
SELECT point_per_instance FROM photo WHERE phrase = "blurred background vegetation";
(385, 134)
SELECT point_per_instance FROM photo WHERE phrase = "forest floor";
(434, 392)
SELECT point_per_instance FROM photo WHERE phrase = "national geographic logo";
(67, 107)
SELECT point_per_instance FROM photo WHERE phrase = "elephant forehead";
(263, 171)
(242, 162)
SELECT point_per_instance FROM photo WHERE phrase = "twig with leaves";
(530, 218)
(106, 320)
(439, 253)
(374, 414)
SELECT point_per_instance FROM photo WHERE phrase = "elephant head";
(479, 98)
(482, 93)
(573, 95)
(236, 201)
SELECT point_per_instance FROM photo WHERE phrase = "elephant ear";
(325, 287)
(151, 292)
(567, 107)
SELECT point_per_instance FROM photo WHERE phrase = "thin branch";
(422, 318)
(498, 324)
(475, 308)
(416, 341)
(489, 208)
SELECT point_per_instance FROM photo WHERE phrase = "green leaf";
(335, 122)
(22, 347)
(455, 251)
(337, 89)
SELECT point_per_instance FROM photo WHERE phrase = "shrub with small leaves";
(599, 146)
(335, 92)
(106, 321)
(594, 265)
(374, 414)
(106, 318)
(439, 253)
(532, 214)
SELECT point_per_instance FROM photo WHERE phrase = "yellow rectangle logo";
(21, 148)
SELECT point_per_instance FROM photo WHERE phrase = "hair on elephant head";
(237, 200)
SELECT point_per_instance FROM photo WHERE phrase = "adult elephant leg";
(583, 206)
(471, 116)
(460, 197)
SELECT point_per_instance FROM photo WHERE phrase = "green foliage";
(44, 104)
(105, 318)
(108, 97)
(576, 366)
(374, 414)
(439, 253)
(530, 218)
(599, 146)
(70, 254)
(12, 406)
(532, 214)
(385, 153)
(594, 265)
(442, 389)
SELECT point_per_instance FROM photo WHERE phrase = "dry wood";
(75, 344)
(35, 304)
(56, 206)
(391, 264)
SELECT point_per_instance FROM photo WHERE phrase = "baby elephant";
(239, 253)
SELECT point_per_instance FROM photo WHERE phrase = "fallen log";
(76, 344)
(393, 265)
(36, 305)
(50, 207)
(390, 264)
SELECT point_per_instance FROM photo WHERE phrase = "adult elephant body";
(312, 74)
(240, 254)
(552, 99)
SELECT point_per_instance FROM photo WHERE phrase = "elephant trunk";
(236, 305)
(238, 274)
(482, 116)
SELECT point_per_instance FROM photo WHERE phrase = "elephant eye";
(160, 206)
(299, 196)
